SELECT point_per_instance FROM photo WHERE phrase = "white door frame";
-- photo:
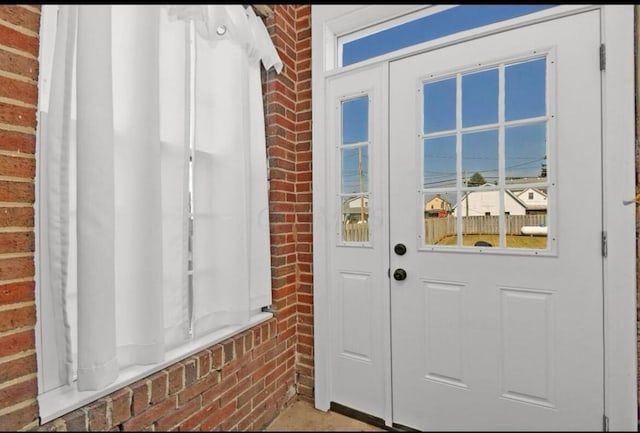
(618, 168)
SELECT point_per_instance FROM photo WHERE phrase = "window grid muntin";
(502, 124)
(364, 195)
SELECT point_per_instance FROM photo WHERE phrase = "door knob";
(399, 274)
(400, 249)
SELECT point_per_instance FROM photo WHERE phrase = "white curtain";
(118, 137)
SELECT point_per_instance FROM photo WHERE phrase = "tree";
(476, 180)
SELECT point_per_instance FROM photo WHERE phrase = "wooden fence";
(355, 232)
(438, 228)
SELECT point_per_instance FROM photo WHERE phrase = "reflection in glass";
(355, 120)
(480, 213)
(440, 162)
(355, 218)
(430, 27)
(439, 222)
(480, 98)
(480, 158)
(355, 170)
(526, 225)
(491, 213)
(525, 86)
(440, 105)
(526, 153)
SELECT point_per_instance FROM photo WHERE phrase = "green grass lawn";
(513, 241)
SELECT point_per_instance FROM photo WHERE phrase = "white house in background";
(351, 209)
(485, 203)
(534, 199)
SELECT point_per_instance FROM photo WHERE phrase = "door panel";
(358, 283)
(505, 336)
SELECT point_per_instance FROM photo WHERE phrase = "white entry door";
(495, 193)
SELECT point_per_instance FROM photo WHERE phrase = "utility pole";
(361, 175)
(467, 194)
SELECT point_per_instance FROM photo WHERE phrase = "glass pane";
(526, 153)
(525, 90)
(355, 171)
(355, 218)
(440, 162)
(355, 120)
(526, 223)
(480, 211)
(480, 98)
(431, 27)
(440, 105)
(439, 222)
(480, 158)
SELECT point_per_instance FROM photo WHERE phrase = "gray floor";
(302, 416)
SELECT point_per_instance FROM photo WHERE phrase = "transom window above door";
(484, 138)
(429, 24)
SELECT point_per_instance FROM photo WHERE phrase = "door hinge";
(603, 57)
(604, 244)
(605, 423)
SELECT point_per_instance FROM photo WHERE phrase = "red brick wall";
(19, 27)
(241, 383)
(288, 114)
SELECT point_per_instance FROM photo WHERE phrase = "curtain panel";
(154, 119)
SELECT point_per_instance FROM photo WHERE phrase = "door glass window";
(354, 169)
(440, 162)
(525, 90)
(480, 158)
(480, 98)
(485, 176)
(440, 106)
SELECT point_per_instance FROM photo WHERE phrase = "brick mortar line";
(11, 204)
(17, 380)
(17, 153)
(17, 102)
(16, 255)
(31, 426)
(14, 128)
(17, 330)
(17, 179)
(17, 77)
(17, 305)
(17, 280)
(18, 406)
(15, 356)
(17, 52)
(4, 230)
(19, 29)
(31, 8)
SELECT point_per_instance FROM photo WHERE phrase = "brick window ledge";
(60, 401)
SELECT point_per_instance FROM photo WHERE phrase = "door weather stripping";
(604, 244)
(603, 57)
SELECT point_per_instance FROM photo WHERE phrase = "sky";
(524, 90)
(431, 27)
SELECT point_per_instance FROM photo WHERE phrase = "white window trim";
(618, 162)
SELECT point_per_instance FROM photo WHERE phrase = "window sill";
(60, 401)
